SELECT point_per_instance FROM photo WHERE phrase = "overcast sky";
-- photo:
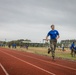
(31, 19)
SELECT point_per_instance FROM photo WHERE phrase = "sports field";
(43, 51)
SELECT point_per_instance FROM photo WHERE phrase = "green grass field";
(43, 51)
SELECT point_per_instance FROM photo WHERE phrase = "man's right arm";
(46, 38)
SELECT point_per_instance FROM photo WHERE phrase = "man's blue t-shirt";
(13, 45)
(53, 34)
(75, 48)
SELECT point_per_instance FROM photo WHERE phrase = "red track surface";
(24, 63)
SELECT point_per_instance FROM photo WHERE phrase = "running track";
(14, 62)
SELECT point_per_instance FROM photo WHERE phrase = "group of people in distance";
(14, 46)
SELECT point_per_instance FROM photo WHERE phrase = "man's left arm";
(58, 36)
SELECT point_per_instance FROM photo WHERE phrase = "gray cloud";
(25, 17)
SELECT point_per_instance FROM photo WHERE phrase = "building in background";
(67, 43)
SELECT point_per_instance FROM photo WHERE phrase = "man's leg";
(72, 52)
(54, 48)
(49, 49)
(75, 52)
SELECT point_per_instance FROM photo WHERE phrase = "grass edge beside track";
(43, 51)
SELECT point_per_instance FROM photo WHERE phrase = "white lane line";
(47, 61)
(4, 69)
(29, 63)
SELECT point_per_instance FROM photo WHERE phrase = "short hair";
(52, 25)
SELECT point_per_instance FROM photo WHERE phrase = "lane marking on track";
(29, 63)
(47, 62)
(4, 69)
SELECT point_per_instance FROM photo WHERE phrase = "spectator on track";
(21, 46)
(72, 47)
(62, 47)
(9, 45)
(14, 45)
(74, 51)
(26, 46)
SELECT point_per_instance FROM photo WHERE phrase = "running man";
(54, 35)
